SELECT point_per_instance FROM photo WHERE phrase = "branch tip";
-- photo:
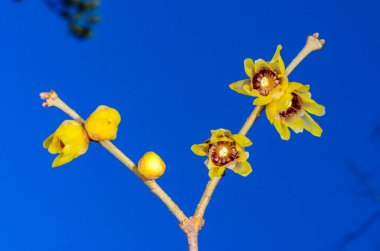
(49, 98)
(314, 43)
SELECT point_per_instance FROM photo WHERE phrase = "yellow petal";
(200, 149)
(263, 100)
(249, 67)
(52, 144)
(220, 135)
(251, 92)
(239, 148)
(277, 64)
(314, 108)
(242, 140)
(242, 86)
(61, 160)
(70, 131)
(282, 129)
(48, 140)
(103, 123)
(295, 123)
(209, 164)
(310, 125)
(271, 111)
(151, 166)
(305, 96)
(243, 156)
(55, 145)
(228, 133)
(244, 169)
(299, 87)
(70, 140)
(284, 102)
(216, 172)
(261, 64)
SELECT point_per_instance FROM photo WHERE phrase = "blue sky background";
(166, 66)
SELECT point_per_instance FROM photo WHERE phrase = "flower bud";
(151, 166)
(103, 123)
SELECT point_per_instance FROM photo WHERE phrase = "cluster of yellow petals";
(288, 104)
(72, 138)
(298, 119)
(276, 66)
(230, 148)
(103, 123)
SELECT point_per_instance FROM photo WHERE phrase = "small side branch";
(251, 119)
(51, 99)
(313, 43)
(210, 188)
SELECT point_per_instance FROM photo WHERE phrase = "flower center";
(265, 81)
(223, 152)
(294, 108)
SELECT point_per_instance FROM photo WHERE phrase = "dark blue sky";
(166, 66)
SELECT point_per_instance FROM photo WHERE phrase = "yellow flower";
(225, 150)
(151, 166)
(267, 80)
(103, 123)
(69, 140)
(292, 110)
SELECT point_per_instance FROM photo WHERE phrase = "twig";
(51, 99)
(312, 44)
(206, 197)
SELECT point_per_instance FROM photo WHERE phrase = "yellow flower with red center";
(292, 111)
(225, 150)
(103, 123)
(267, 80)
(70, 140)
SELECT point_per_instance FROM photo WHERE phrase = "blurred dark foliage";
(375, 135)
(361, 230)
(367, 189)
(80, 15)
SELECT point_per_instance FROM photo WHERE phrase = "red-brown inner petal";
(223, 152)
(295, 107)
(265, 87)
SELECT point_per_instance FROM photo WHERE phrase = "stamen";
(265, 81)
(223, 152)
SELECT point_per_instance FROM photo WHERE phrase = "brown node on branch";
(192, 224)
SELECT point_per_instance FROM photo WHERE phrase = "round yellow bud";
(151, 166)
(103, 123)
